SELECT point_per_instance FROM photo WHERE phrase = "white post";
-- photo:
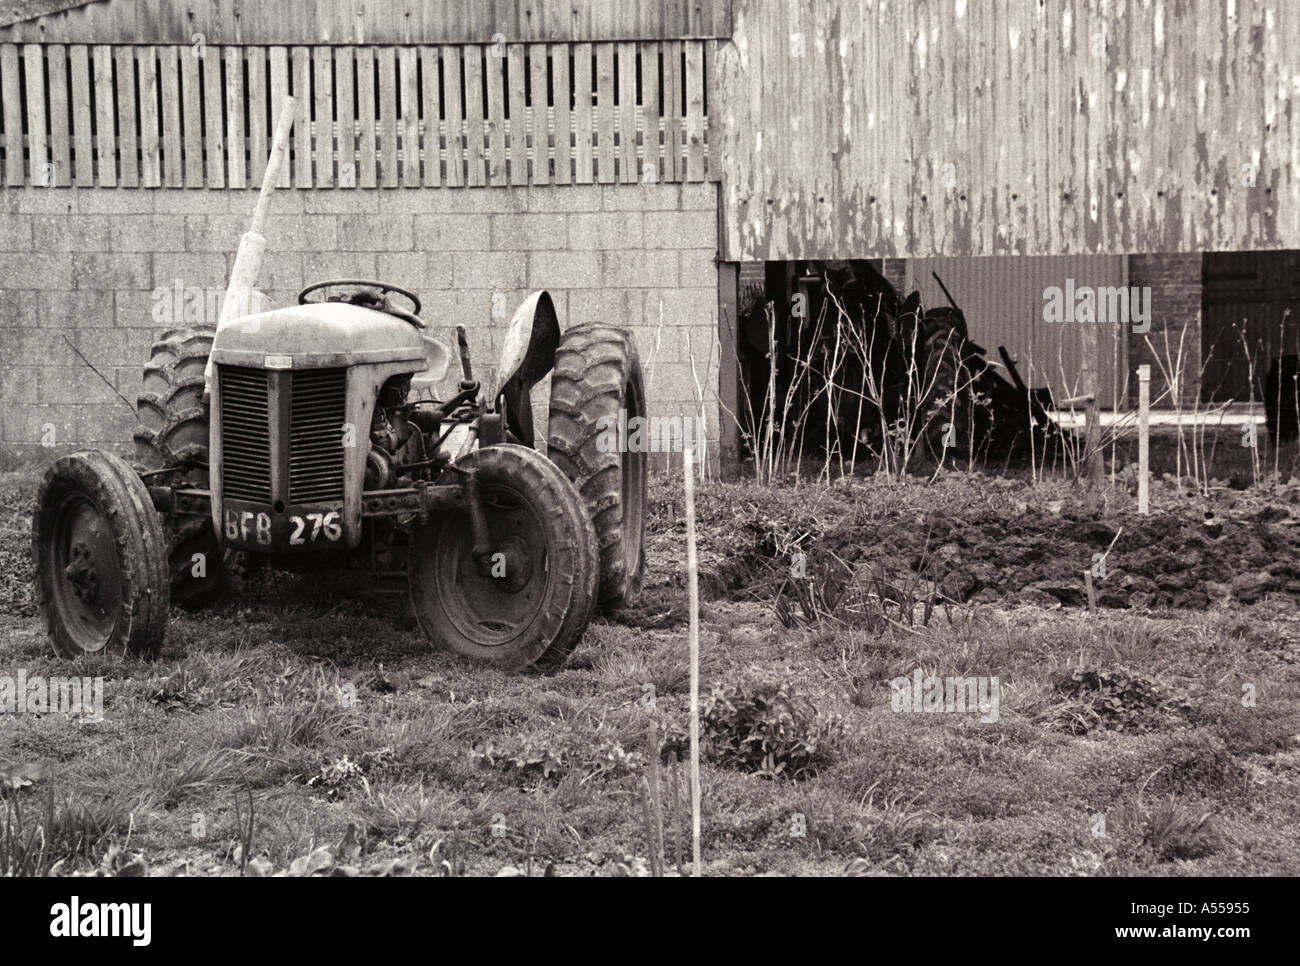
(1144, 429)
(693, 601)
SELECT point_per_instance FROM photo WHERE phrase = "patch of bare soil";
(1037, 556)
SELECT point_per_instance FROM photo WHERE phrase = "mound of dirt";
(1039, 557)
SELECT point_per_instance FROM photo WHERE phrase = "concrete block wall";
(95, 271)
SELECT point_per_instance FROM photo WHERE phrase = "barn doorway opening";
(1246, 298)
(797, 317)
(838, 366)
(1250, 332)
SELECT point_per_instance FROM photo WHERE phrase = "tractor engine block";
(401, 437)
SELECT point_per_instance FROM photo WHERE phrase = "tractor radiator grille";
(245, 435)
(317, 411)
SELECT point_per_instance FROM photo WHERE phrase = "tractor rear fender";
(526, 358)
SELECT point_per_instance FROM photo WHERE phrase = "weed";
(548, 758)
(1174, 831)
(24, 839)
(1116, 699)
(38, 837)
(335, 777)
(768, 730)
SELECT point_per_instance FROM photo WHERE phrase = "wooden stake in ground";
(693, 600)
(1144, 439)
(647, 817)
(1088, 386)
(656, 797)
(677, 814)
(252, 245)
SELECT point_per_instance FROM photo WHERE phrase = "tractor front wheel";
(529, 599)
(100, 557)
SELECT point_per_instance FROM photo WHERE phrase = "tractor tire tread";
(593, 367)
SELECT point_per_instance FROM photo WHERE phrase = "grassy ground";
(1123, 743)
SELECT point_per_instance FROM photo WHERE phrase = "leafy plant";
(335, 777)
(1115, 699)
(551, 757)
(767, 729)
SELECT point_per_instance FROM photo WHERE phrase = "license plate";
(299, 528)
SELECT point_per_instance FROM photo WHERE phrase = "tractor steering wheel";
(369, 299)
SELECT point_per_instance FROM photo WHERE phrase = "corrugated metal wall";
(907, 127)
(1003, 302)
(366, 21)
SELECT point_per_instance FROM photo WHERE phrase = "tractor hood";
(324, 334)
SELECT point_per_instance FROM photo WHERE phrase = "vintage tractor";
(316, 443)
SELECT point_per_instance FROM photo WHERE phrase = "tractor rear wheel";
(100, 558)
(596, 388)
(173, 435)
(530, 600)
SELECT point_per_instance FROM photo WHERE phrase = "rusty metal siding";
(893, 127)
(380, 22)
(1003, 302)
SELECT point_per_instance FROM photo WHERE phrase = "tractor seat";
(426, 384)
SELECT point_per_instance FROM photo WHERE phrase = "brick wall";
(752, 274)
(89, 266)
(895, 270)
(1175, 280)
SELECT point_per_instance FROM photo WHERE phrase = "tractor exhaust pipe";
(252, 245)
